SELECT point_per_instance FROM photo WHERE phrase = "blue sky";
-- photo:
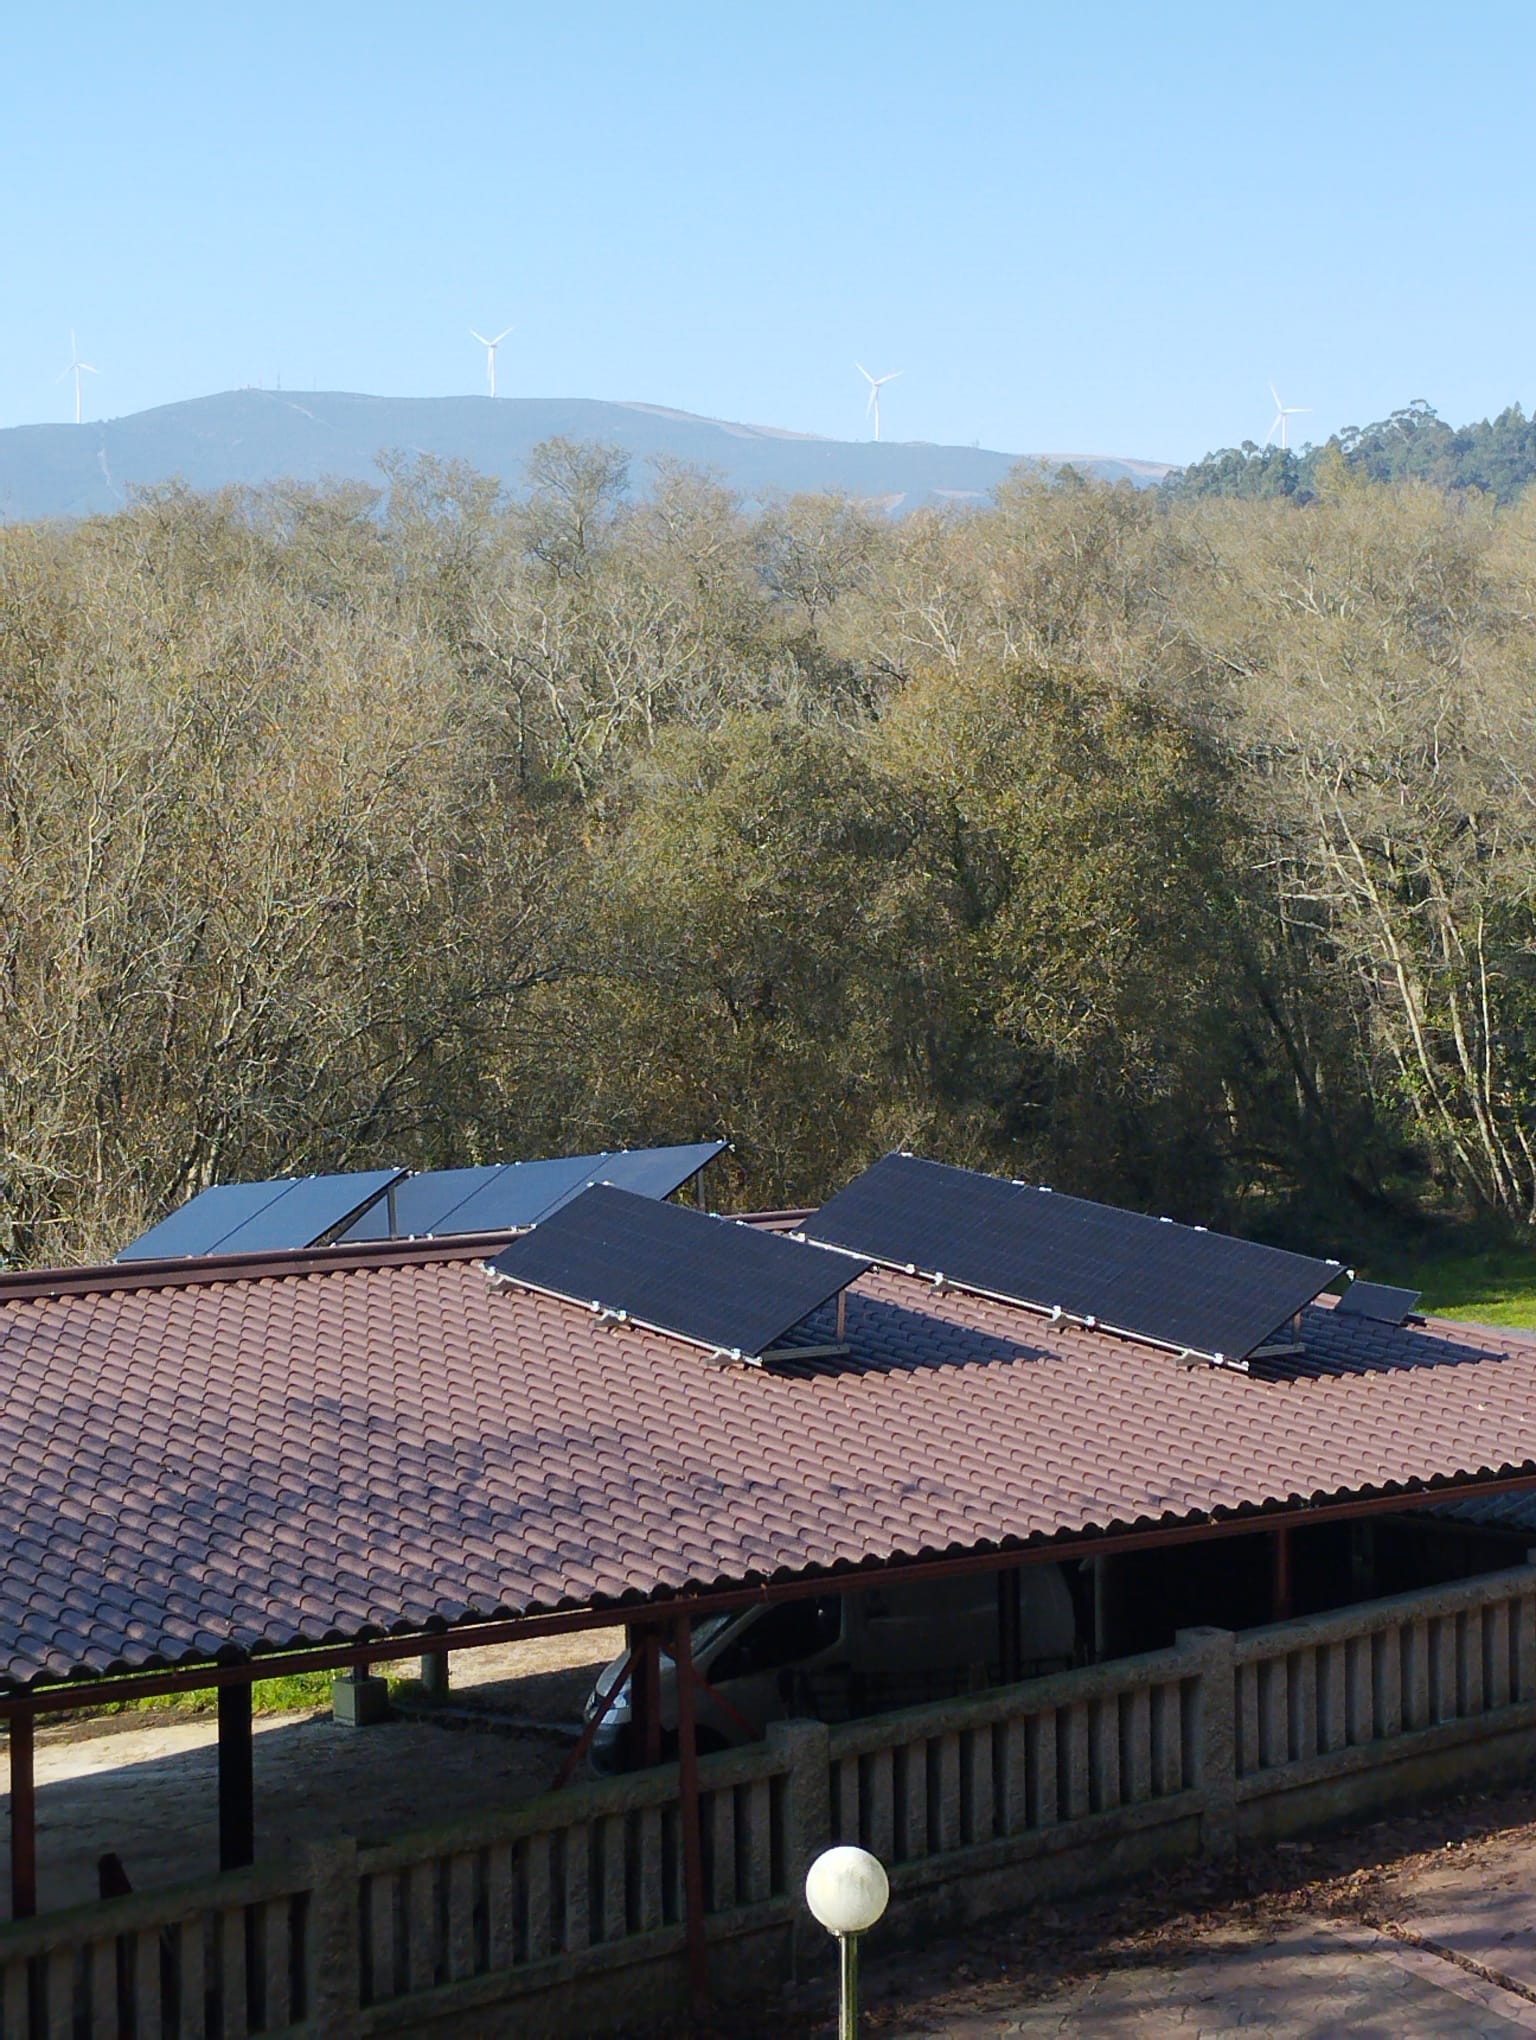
(1075, 227)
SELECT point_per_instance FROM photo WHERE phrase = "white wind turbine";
(876, 384)
(490, 347)
(1284, 413)
(76, 368)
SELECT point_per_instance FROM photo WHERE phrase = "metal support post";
(693, 1842)
(1101, 1623)
(23, 1819)
(1282, 1598)
(848, 1994)
(645, 1692)
(237, 1784)
(1010, 1653)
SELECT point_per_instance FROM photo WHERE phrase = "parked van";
(831, 1657)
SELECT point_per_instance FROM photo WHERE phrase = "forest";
(1172, 848)
(1496, 457)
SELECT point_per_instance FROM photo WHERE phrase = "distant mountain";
(253, 436)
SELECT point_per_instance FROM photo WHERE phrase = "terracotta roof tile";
(205, 1461)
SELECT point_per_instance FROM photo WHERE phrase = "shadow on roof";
(1335, 1349)
(887, 1338)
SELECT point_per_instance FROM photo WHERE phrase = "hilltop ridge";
(251, 436)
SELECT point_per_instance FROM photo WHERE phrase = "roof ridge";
(200, 1270)
(190, 1271)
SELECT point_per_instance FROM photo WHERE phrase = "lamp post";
(847, 1890)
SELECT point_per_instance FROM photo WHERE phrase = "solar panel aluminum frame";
(1058, 1314)
(607, 1314)
(1189, 1355)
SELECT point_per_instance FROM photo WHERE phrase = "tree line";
(1495, 457)
(1173, 850)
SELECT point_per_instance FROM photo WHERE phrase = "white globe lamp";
(847, 1890)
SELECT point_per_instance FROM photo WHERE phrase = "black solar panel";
(1380, 1301)
(506, 1196)
(421, 1204)
(382, 1204)
(197, 1226)
(520, 1194)
(1175, 1285)
(656, 1172)
(309, 1208)
(712, 1281)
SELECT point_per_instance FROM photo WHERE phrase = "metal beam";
(567, 1770)
(693, 1839)
(237, 1783)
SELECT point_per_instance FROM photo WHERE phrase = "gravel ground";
(144, 1785)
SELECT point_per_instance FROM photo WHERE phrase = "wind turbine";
(876, 384)
(490, 347)
(76, 368)
(1284, 413)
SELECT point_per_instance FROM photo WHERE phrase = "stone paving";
(1319, 1979)
(1422, 1926)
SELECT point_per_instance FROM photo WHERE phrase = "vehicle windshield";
(703, 1629)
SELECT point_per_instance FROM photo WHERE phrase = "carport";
(230, 1469)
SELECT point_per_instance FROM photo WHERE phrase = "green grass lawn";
(268, 1696)
(1491, 1284)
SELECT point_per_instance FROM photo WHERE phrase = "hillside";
(253, 436)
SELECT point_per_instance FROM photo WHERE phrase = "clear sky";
(1075, 225)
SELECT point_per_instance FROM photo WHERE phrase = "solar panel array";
(1378, 1301)
(1178, 1286)
(289, 1213)
(256, 1218)
(507, 1196)
(715, 1282)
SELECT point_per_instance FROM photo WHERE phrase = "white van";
(831, 1657)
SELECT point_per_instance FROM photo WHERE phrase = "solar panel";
(309, 1208)
(382, 1204)
(1380, 1301)
(712, 1281)
(1174, 1285)
(421, 1204)
(656, 1172)
(197, 1226)
(506, 1196)
(520, 1194)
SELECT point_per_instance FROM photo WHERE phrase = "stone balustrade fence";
(568, 1913)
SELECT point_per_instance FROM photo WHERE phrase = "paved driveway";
(1421, 1925)
(1319, 1978)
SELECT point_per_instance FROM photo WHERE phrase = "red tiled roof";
(329, 1449)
